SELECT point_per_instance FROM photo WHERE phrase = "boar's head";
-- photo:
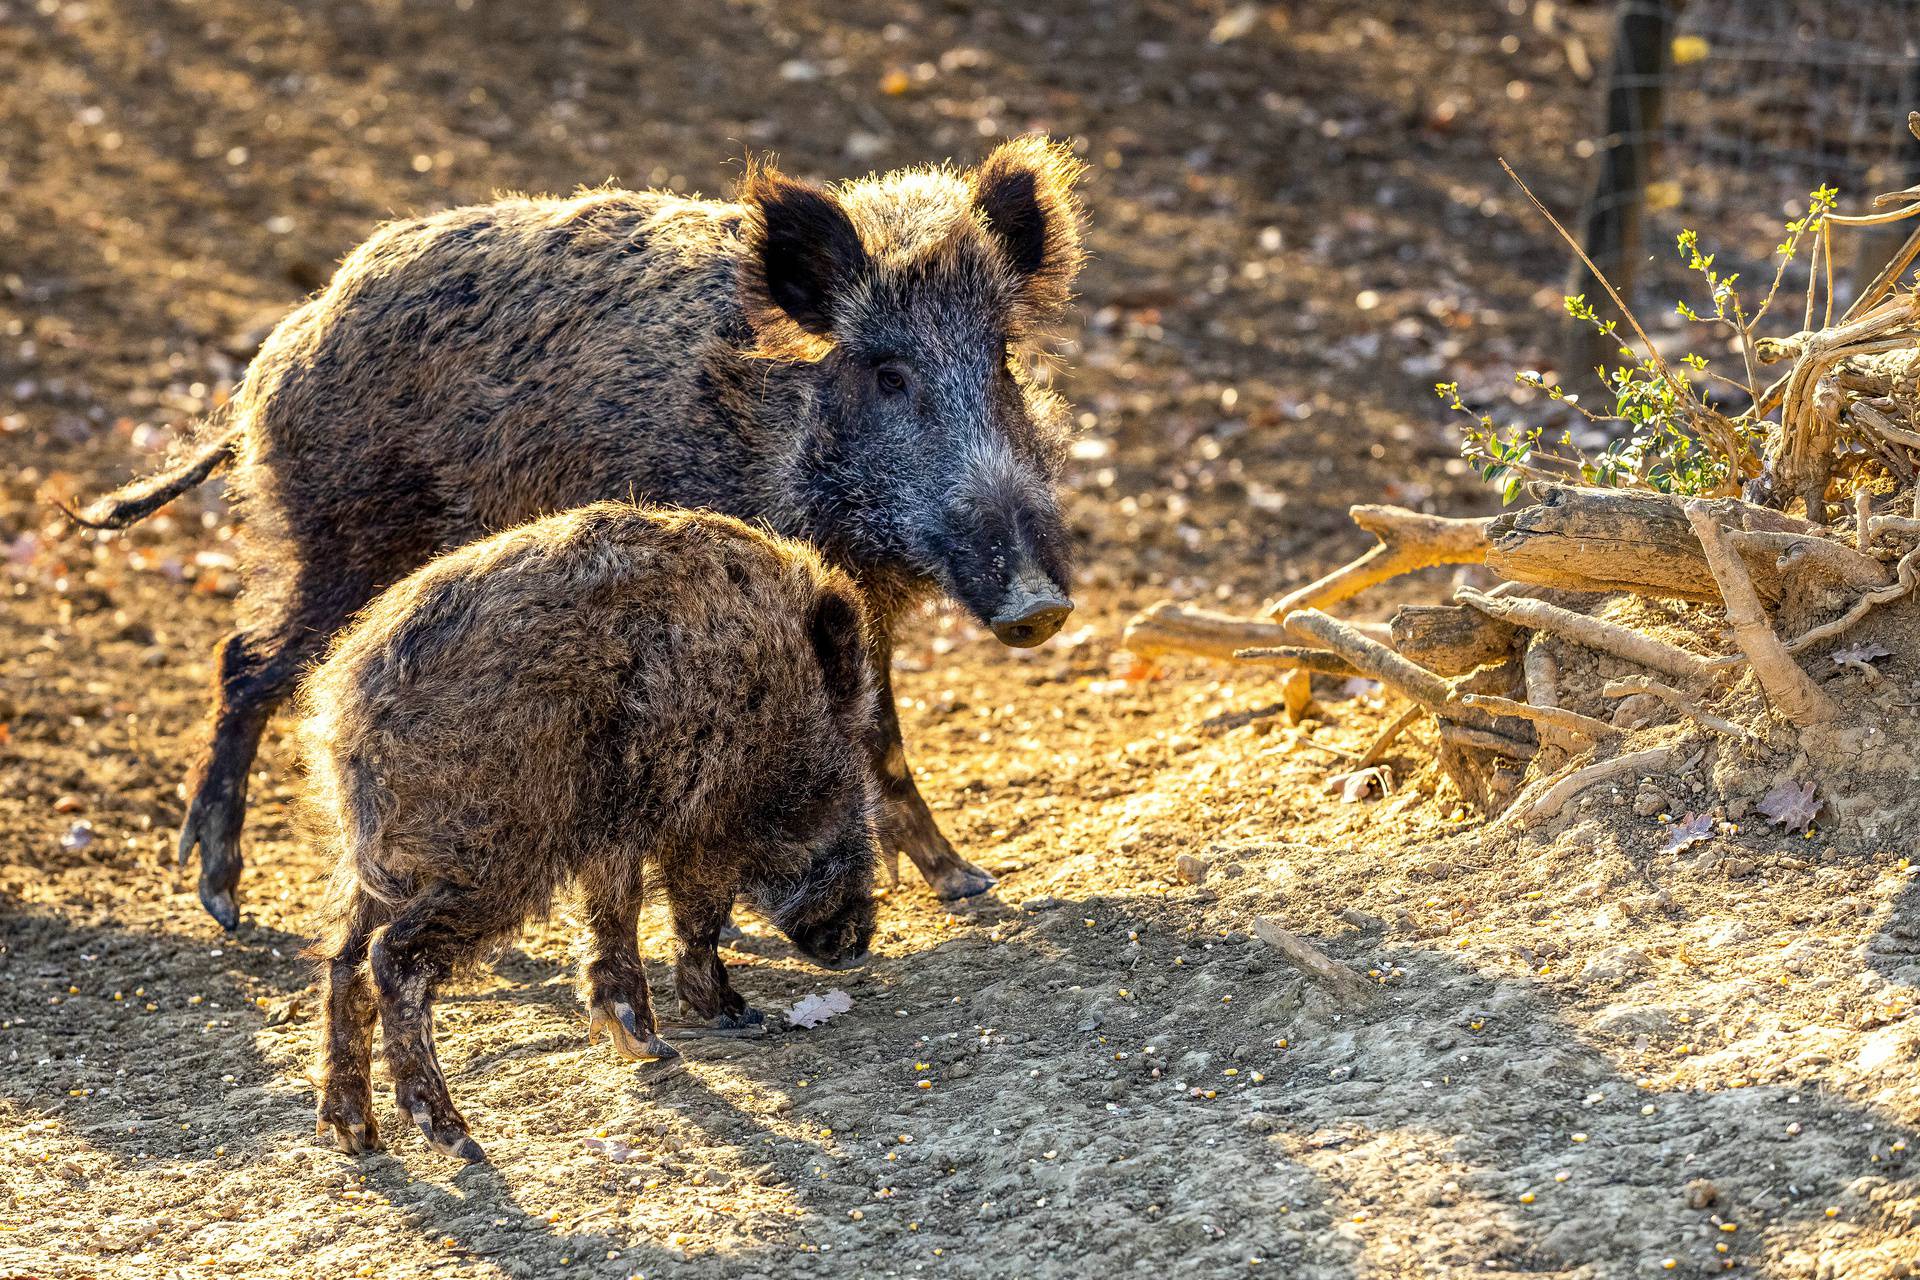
(910, 300)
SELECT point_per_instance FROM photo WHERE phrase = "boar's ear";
(803, 252)
(1024, 192)
(839, 634)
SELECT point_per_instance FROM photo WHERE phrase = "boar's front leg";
(699, 912)
(617, 997)
(905, 821)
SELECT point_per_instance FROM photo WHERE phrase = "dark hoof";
(617, 1019)
(348, 1126)
(962, 880)
(449, 1137)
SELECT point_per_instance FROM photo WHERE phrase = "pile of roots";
(1615, 634)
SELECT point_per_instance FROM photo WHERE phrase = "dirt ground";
(1585, 1058)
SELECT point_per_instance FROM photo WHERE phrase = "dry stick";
(1349, 986)
(1653, 352)
(1558, 717)
(1862, 511)
(1785, 684)
(1409, 540)
(1167, 627)
(1555, 797)
(1869, 299)
(1541, 675)
(1408, 679)
(1594, 633)
(1674, 698)
(1385, 738)
(1883, 426)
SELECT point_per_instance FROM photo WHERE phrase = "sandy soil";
(1584, 1058)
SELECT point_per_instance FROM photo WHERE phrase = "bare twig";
(1298, 658)
(1674, 698)
(1487, 740)
(1786, 685)
(1386, 737)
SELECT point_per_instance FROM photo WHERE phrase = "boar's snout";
(1030, 615)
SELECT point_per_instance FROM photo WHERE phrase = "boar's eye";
(891, 379)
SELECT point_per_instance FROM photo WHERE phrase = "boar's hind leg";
(618, 1000)
(905, 821)
(431, 935)
(698, 974)
(257, 669)
(346, 1037)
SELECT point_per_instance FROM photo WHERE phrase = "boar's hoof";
(447, 1138)
(963, 880)
(617, 1019)
(347, 1126)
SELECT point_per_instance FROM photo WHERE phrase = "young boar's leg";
(346, 1036)
(618, 1000)
(257, 669)
(435, 932)
(699, 976)
(905, 821)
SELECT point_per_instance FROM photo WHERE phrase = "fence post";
(1610, 221)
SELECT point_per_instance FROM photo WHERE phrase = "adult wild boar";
(841, 364)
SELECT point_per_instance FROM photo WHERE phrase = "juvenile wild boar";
(628, 699)
(844, 365)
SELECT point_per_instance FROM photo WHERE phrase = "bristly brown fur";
(613, 696)
(480, 367)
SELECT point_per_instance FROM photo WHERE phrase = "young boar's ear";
(839, 637)
(1024, 192)
(803, 251)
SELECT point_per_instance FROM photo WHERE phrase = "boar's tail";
(135, 501)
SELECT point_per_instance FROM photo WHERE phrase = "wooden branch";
(1635, 541)
(1558, 717)
(1674, 698)
(1540, 676)
(1555, 797)
(1450, 639)
(1170, 628)
(1785, 684)
(1594, 633)
(1409, 540)
(1408, 679)
(1350, 987)
(1299, 658)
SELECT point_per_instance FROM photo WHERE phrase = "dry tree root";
(1559, 717)
(1679, 701)
(1594, 633)
(1789, 688)
(1552, 798)
(1450, 639)
(1409, 540)
(1372, 658)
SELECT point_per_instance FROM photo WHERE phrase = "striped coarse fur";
(632, 700)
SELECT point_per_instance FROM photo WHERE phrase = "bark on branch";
(1409, 540)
